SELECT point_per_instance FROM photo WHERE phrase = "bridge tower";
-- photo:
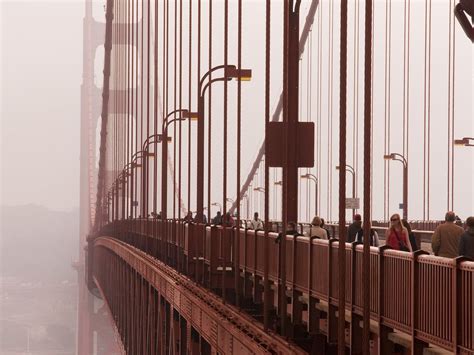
(90, 318)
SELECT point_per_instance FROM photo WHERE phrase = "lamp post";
(138, 155)
(462, 10)
(465, 141)
(313, 177)
(184, 114)
(230, 72)
(401, 158)
(351, 170)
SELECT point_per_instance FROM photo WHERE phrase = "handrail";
(408, 288)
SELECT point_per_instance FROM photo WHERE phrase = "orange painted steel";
(131, 279)
(428, 298)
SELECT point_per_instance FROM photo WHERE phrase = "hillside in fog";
(37, 243)
(38, 286)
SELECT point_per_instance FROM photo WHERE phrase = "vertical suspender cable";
(355, 132)
(266, 284)
(142, 60)
(175, 100)
(425, 115)
(146, 171)
(453, 81)
(239, 131)
(155, 107)
(198, 73)
(190, 47)
(341, 341)
(320, 100)
(209, 119)
(131, 106)
(138, 113)
(451, 55)
(330, 104)
(367, 175)
(428, 168)
(166, 106)
(180, 105)
(225, 113)
(448, 140)
(371, 112)
(224, 158)
(406, 89)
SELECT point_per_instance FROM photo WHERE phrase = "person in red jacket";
(397, 235)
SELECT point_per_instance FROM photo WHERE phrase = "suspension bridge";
(291, 109)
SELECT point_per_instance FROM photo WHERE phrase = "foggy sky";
(41, 70)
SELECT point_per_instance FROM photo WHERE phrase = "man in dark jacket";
(466, 243)
(354, 228)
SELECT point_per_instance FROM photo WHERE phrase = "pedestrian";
(328, 232)
(445, 239)
(256, 223)
(200, 218)
(316, 231)
(396, 236)
(189, 217)
(466, 242)
(290, 230)
(354, 228)
(228, 220)
(411, 235)
(374, 237)
(217, 220)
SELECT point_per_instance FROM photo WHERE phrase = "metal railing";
(427, 297)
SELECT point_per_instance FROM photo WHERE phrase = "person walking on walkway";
(374, 237)
(466, 242)
(326, 229)
(316, 230)
(217, 220)
(445, 240)
(396, 237)
(256, 223)
(354, 228)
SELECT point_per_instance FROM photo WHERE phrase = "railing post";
(355, 329)
(417, 346)
(456, 301)
(384, 345)
(296, 305)
(332, 320)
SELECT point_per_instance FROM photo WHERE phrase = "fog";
(41, 70)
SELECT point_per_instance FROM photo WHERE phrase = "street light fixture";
(217, 204)
(259, 189)
(465, 141)
(351, 170)
(402, 159)
(230, 72)
(313, 178)
(278, 183)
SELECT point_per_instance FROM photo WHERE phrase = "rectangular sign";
(304, 142)
(352, 203)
